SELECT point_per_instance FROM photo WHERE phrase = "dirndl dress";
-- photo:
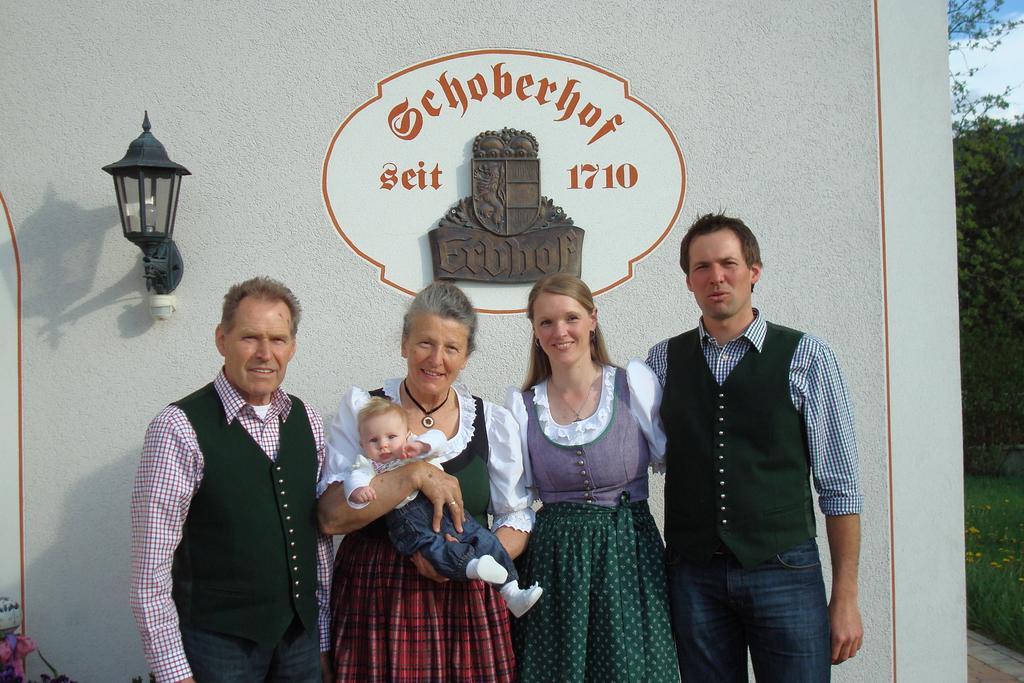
(388, 623)
(597, 552)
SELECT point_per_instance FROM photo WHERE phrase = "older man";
(230, 576)
(751, 409)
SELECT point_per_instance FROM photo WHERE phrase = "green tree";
(974, 25)
(989, 163)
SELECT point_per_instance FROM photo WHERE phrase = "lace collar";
(467, 415)
(584, 430)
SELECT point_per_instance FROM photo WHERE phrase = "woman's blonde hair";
(539, 368)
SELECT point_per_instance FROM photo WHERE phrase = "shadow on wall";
(77, 587)
(60, 246)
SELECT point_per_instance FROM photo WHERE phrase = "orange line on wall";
(506, 51)
(21, 473)
(885, 327)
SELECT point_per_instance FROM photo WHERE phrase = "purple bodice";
(595, 472)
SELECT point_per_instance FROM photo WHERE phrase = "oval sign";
(404, 162)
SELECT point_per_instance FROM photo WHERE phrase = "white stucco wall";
(10, 489)
(774, 106)
(924, 356)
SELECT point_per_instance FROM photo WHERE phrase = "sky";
(1000, 68)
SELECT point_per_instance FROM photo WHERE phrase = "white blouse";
(645, 406)
(510, 500)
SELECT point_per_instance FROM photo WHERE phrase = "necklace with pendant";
(427, 420)
(576, 412)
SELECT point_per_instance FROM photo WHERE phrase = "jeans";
(776, 609)
(221, 658)
(411, 530)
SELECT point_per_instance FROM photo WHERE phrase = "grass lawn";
(995, 557)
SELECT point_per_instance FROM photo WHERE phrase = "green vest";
(737, 459)
(246, 564)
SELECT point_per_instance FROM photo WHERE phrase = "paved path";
(988, 661)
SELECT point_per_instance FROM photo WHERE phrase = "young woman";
(590, 430)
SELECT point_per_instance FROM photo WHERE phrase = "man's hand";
(443, 490)
(326, 672)
(847, 631)
(844, 546)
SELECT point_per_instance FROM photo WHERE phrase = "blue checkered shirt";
(819, 394)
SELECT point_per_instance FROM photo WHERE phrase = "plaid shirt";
(819, 394)
(169, 474)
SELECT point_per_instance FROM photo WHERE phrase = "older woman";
(591, 430)
(395, 619)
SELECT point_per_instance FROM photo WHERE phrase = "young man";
(750, 410)
(230, 576)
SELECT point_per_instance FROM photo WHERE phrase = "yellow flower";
(973, 530)
(995, 564)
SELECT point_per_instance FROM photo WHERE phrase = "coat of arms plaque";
(506, 231)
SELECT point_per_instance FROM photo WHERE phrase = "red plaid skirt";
(388, 623)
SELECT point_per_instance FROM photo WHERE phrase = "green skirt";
(604, 615)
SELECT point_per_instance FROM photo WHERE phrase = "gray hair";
(264, 288)
(444, 300)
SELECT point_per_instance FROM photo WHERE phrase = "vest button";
(278, 468)
(283, 492)
(579, 462)
(579, 451)
(284, 505)
(721, 433)
(721, 457)
(296, 583)
(295, 557)
(721, 407)
(721, 445)
(721, 396)
(296, 596)
(722, 508)
(725, 521)
(295, 568)
(288, 518)
(583, 472)
(293, 544)
(721, 483)
(291, 531)
(722, 496)
(721, 419)
(280, 481)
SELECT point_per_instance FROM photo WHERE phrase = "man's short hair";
(261, 287)
(713, 222)
(378, 406)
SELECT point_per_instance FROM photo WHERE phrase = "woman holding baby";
(399, 620)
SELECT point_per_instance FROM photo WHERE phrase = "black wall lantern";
(147, 184)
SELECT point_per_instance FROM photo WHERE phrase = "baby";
(386, 441)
